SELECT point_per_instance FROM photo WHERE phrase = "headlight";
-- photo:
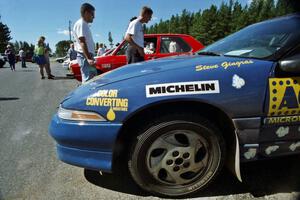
(79, 115)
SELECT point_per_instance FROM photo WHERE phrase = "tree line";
(215, 23)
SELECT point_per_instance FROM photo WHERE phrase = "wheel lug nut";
(175, 153)
(186, 155)
(186, 165)
(178, 161)
(176, 168)
(169, 162)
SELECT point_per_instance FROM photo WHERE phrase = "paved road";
(29, 168)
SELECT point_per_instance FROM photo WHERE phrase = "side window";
(173, 45)
(150, 45)
(122, 50)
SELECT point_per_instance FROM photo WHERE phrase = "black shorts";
(133, 55)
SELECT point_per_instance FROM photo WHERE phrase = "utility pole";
(70, 30)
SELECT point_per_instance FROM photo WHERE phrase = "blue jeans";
(87, 71)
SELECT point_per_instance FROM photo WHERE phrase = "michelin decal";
(183, 88)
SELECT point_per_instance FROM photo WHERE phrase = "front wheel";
(177, 156)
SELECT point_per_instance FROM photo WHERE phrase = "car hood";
(142, 69)
(182, 64)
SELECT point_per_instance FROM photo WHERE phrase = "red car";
(156, 46)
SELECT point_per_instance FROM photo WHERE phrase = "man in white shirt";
(84, 43)
(22, 55)
(135, 36)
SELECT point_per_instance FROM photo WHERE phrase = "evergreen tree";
(208, 32)
(214, 23)
(196, 25)
(17, 46)
(237, 21)
(224, 20)
(4, 36)
(267, 11)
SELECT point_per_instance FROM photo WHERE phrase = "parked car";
(175, 121)
(2, 61)
(61, 59)
(4, 57)
(184, 44)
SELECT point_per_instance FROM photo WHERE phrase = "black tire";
(159, 168)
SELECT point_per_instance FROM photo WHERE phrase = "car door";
(280, 133)
(119, 57)
(172, 46)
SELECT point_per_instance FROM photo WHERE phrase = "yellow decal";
(282, 120)
(284, 97)
(110, 99)
(111, 115)
(225, 65)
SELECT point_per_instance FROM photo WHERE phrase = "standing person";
(135, 36)
(101, 50)
(22, 55)
(39, 51)
(47, 57)
(84, 43)
(72, 54)
(10, 53)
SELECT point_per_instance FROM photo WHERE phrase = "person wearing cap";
(84, 43)
(10, 53)
(135, 36)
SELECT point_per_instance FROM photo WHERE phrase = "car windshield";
(257, 41)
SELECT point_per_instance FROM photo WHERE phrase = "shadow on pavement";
(260, 178)
(9, 98)
(63, 77)
(25, 70)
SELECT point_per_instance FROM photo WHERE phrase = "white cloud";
(63, 32)
(249, 2)
(97, 35)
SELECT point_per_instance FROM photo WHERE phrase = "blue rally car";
(176, 121)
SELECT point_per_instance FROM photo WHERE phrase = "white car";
(66, 63)
(2, 61)
(61, 59)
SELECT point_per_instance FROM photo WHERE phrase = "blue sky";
(29, 19)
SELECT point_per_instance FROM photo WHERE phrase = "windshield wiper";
(208, 53)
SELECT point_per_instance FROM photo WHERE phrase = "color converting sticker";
(182, 88)
(110, 99)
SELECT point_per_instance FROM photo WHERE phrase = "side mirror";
(291, 64)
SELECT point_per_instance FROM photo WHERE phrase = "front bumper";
(85, 144)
